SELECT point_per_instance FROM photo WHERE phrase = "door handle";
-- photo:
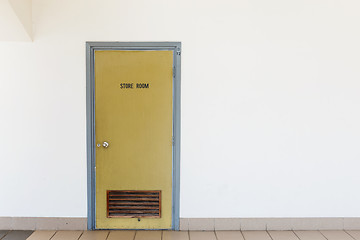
(104, 144)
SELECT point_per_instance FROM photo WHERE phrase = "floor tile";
(305, 224)
(227, 224)
(121, 235)
(206, 224)
(67, 235)
(283, 235)
(202, 235)
(3, 233)
(256, 235)
(175, 235)
(309, 235)
(352, 223)
(17, 235)
(331, 224)
(278, 224)
(229, 235)
(184, 224)
(148, 235)
(336, 235)
(6, 223)
(354, 234)
(41, 235)
(250, 224)
(94, 235)
(23, 223)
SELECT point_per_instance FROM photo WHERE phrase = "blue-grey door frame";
(91, 47)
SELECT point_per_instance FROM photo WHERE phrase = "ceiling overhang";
(16, 20)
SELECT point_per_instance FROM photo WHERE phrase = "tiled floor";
(182, 235)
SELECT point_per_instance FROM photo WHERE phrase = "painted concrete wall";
(270, 105)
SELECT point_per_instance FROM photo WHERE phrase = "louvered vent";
(134, 204)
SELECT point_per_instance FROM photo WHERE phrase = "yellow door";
(133, 132)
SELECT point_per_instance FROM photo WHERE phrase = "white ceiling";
(15, 20)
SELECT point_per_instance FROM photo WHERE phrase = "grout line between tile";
(296, 234)
(349, 234)
(107, 236)
(189, 234)
(134, 235)
(81, 235)
(323, 235)
(216, 235)
(5, 234)
(242, 234)
(268, 233)
(53, 235)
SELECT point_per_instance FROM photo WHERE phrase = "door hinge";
(173, 141)
(174, 72)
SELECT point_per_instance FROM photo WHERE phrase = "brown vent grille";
(134, 204)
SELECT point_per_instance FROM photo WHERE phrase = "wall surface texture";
(270, 105)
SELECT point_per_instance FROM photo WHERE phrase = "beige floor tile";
(278, 224)
(226, 224)
(305, 224)
(354, 234)
(206, 235)
(18, 235)
(229, 235)
(336, 235)
(121, 235)
(67, 235)
(256, 235)
(6, 223)
(331, 224)
(184, 224)
(283, 235)
(175, 235)
(41, 235)
(94, 235)
(24, 223)
(309, 235)
(148, 235)
(3, 233)
(71, 224)
(250, 224)
(352, 223)
(206, 224)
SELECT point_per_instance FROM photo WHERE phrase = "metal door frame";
(90, 119)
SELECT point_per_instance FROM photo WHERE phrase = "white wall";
(270, 104)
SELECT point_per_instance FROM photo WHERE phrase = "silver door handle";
(104, 144)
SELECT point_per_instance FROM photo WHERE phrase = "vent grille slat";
(132, 207)
(133, 211)
(134, 195)
(133, 204)
(136, 199)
